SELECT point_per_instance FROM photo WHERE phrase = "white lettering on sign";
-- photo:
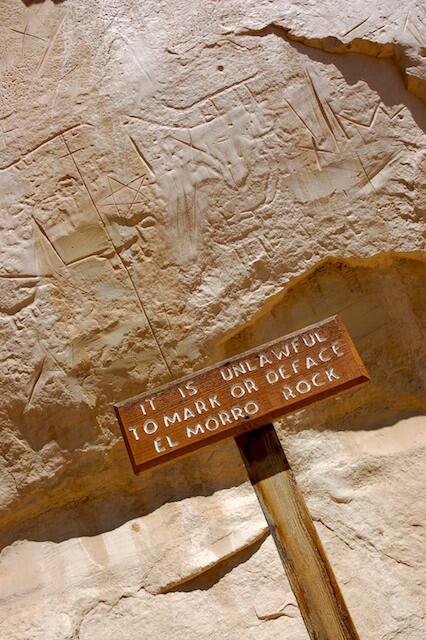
(243, 391)
(150, 426)
(310, 362)
(224, 417)
(325, 354)
(147, 405)
(200, 406)
(240, 390)
(288, 393)
(315, 381)
(214, 402)
(309, 340)
(159, 444)
(264, 360)
(303, 386)
(134, 432)
(336, 347)
(171, 419)
(306, 385)
(331, 374)
(191, 411)
(187, 390)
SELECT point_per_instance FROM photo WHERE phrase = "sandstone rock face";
(180, 181)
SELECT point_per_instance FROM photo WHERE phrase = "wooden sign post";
(239, 397)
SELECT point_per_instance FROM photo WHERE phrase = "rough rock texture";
(179, 181)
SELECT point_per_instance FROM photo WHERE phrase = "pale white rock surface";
(180, 181)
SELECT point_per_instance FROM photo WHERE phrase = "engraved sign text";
(241, 393)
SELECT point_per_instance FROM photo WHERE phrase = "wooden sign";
(239, 397)
(241, 393)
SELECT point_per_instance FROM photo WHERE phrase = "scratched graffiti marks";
(31, 64)
(214, 152)
(62, 212)
(128, 209)
(26, 155)
(413, 23)
(73, 251)
(219, 178)
(53, 37)
(340, 144)
(196, 162)
(327, 150)
(112, 234)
